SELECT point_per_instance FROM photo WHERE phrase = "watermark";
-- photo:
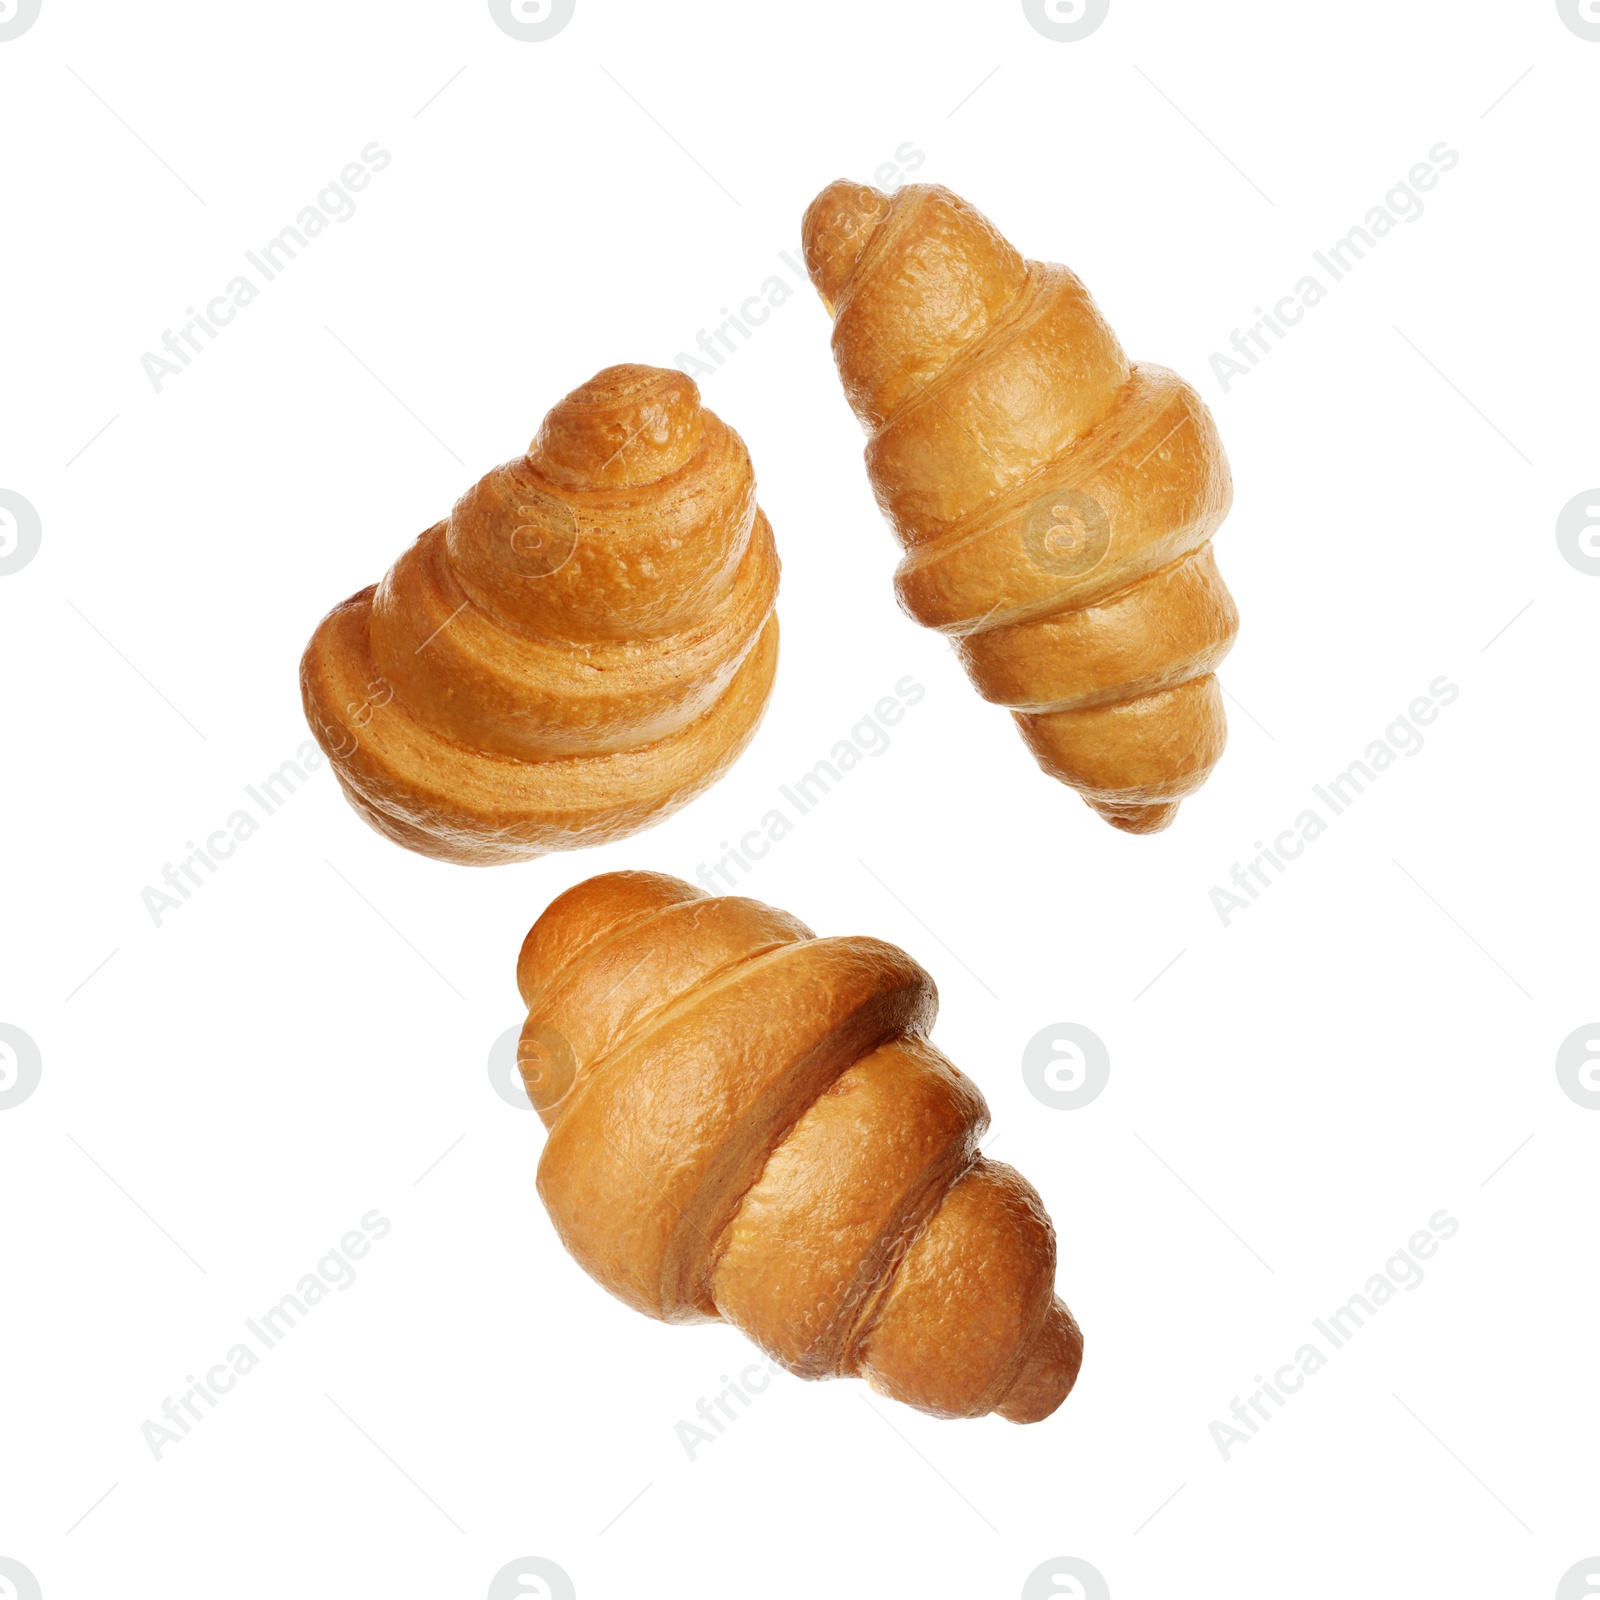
(16, 1582)
(1401, 738)
(1403, 1270)
(1402, 203)
(1582, 16)
(341, 736)
(1065, 1066)
(1066, 21)
(21, 1066)
(543, 540)
(799, 1329)
(1577, 532)
(335, 202)
(531, 1578)
(531, 21)
(869, 737)
(739, 326)
(1581, 1582)
(1066, 532)
(185, 879)
(1067, 1578)
(531, 1059)
(754, 312)
(335, 1271)
(16, 17)
(504, 1074)
(20, 532)
(546, 1063)
(1577, 1066)
(718, 1413)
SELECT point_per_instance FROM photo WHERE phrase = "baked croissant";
(748, 1122)
(582, 646)
(1056, 503)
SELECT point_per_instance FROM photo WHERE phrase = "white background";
(306, 1039)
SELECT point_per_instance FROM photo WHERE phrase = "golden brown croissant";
(748, 1122)
(1055, 502)
(582, 646)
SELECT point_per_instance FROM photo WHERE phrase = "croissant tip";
(586, 913)
(835, 230)
(629, 425)
(627, 379)
(1139, 818)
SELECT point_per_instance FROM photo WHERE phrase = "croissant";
(748, 1123)
(582, 646)
(1056, 504)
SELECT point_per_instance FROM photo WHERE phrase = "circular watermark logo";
(1581, 1582)
(531, 1578)
(16, 1582)
(1067, 1578)
(532, 20)
(1066, 20)
(19, 522)
(1067, 532)
(1065, 1066)
(16, 17)
(545, 1063)
(541, 540)
(505, 1074)
(1578, 529)
(1582, 16)
(20, 1070)
(1578, 1070)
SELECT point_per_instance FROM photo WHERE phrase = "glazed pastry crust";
(749, 1123)
(1056, 502)
(586, 643)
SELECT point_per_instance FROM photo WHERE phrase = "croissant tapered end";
(748, 1123)
(627, 425)
(835, 231)
(587, 913)
(1132, 818)
(585, 644)
(1049, 1369)
(1056, 502)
